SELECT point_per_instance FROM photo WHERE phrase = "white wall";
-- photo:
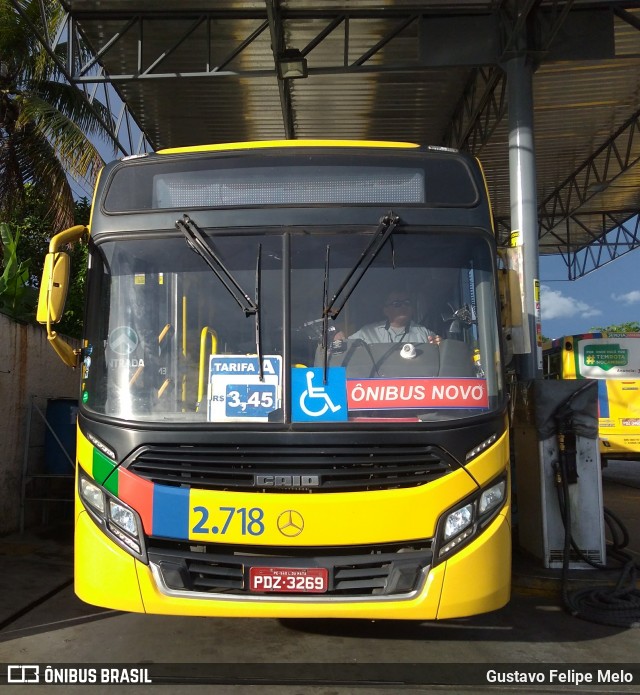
(28, 368)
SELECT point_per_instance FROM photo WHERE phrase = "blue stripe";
(603, 398)
(170, 511)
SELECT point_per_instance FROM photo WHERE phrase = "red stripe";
(138, 494)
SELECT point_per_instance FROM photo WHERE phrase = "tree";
(45, 124)
(47, 131)
(629, 327)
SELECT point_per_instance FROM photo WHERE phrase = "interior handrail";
(204, 333)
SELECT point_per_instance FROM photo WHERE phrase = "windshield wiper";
(386, 227)
(197, 242)
(251, 307)
(332, 309)
(257, 313)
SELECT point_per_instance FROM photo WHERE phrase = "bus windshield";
(416, 339)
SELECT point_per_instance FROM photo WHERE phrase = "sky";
(606, 296)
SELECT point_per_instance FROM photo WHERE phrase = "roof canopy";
(197, 72)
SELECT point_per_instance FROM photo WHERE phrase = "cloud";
(632, 297)
(555, 305)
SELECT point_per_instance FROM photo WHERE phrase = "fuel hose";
(619, 605)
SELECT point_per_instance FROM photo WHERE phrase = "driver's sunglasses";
(397, 303)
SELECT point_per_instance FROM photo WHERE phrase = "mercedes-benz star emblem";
(290, 523)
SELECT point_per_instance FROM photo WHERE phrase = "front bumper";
(474, 580)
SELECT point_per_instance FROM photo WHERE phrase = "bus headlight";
(122, 517)
(116, 519)
(461, 524)
(457, 521)
(91, 494)
(492, 497)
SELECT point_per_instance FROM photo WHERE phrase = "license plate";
(306, 580)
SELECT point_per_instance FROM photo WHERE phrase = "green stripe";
(102, 467)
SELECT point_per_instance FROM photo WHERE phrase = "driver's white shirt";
(381, 332)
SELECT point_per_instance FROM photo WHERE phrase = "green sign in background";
(605, 356)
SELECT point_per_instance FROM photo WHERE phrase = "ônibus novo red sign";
(368, 394)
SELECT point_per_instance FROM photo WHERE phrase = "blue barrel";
(61, 416)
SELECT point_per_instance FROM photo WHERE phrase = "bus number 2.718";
(250, 521)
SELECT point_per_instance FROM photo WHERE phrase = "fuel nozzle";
(568, 453)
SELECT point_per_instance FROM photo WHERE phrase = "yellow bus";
(614, 360)
(244, 449)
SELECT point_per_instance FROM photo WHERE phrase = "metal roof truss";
(146, 42)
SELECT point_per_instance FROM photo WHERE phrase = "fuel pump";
(557, 465)
(560, 514)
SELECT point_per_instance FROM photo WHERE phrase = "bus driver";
(397, 326)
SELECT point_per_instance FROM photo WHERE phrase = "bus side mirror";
(54, 287)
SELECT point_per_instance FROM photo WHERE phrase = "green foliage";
(32, 225)
(17, 299)
(28, 233)
(47, 132)
(82, 211)
(629, 327)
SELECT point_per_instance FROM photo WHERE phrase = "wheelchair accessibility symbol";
(313, 400)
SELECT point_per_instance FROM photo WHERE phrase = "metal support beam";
(481, 108)
(624, 237)
(630, 19)
(617, 154)
(618, 233)
(464, 49)
(483, 104)
(284, 87)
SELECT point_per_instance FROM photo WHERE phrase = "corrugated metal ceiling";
(195, 72)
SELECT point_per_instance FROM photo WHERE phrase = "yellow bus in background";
(235, 458)
(614, 360)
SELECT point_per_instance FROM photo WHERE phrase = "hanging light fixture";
(291, 65)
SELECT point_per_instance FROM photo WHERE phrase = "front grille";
(291, 468)
(356, 572)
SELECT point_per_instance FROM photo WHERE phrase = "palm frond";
(41, 167)
(70, 101)
(47, 128)
(19, 44)
(67, 137)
